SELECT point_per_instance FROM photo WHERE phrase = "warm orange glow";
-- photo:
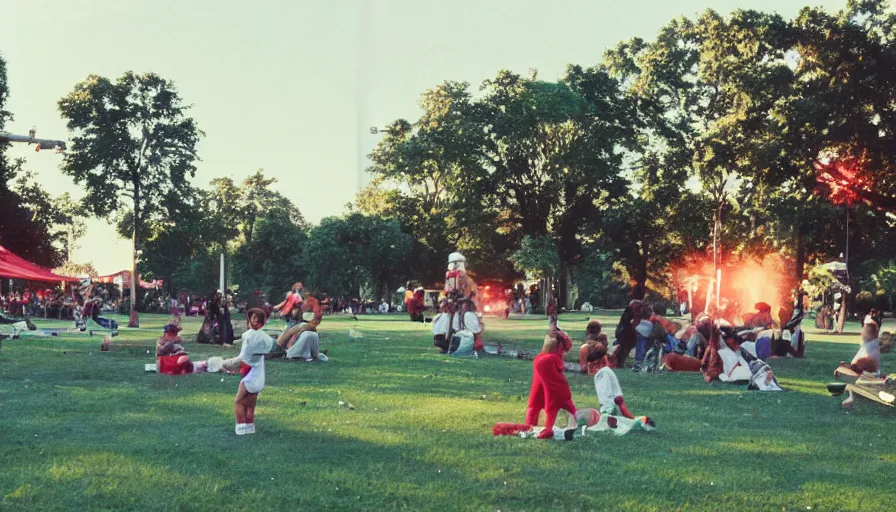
(745, 281)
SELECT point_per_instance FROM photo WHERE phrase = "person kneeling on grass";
(255, 344)
(550, 390)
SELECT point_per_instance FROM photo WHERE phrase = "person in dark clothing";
(626, 337)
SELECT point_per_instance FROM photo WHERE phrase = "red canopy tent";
(14, 267)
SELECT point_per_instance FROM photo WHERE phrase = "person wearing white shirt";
(256, 343)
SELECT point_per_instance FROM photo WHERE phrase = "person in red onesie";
(550, 391)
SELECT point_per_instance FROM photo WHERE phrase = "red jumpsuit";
(550, 391)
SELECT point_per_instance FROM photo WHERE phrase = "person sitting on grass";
(599, 355)
(170, 342)
(592, 331)
(213, 329)
(301, 341)
(626, 337)
(454, 318)
(171, 358)
(550, 390)
(255, 344)
(867, 359)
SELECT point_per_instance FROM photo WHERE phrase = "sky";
(293, 87)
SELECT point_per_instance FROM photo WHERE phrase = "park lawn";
(85, 430)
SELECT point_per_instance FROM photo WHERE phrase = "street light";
(29, 139)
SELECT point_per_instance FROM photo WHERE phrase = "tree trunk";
(716, 227)
(640, 274)
(562, 283)
(134, 320)
(800, 256)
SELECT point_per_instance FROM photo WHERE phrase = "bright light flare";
(744, 282)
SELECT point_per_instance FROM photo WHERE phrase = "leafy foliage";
(343, 255)
(537, 256)
(273, 259)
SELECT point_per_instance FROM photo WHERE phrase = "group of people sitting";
(299, 341)
(715, 348)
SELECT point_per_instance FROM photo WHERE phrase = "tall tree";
(132, 145)
(62, 218)
(273, 258)
(714, 89)
(423, 175)
(344, 255)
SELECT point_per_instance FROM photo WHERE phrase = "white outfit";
(471, 322)
(869, 349)
(307, 344)
(255, 345)
(607, 386)
(730, 362)
(441, 322)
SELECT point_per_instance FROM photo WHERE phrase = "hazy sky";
(294, 86)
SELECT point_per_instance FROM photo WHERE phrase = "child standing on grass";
(256, 343)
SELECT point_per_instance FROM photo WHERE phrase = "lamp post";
(31, 138)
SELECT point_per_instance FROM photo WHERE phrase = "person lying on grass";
(725, 360)
(550, 390)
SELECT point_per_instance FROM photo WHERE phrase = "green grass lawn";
(85, 430)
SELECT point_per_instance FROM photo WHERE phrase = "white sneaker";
(250, 428)
(241, 429)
